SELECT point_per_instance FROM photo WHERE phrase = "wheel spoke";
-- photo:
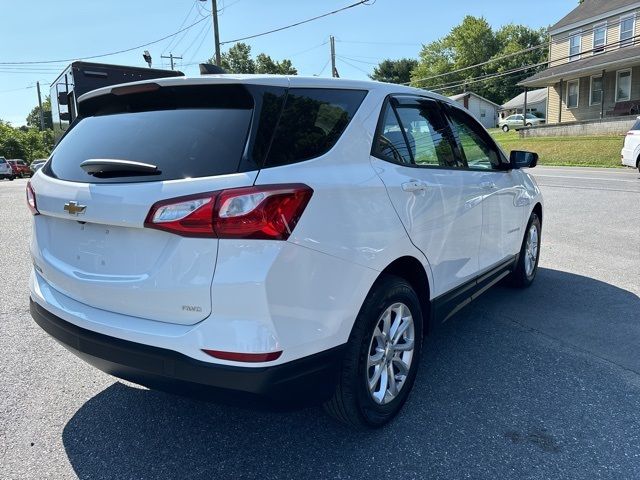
(373, 381)
(386, 323)
(392, 388)
(406, 323)
(375, 359)
(403, 368)
(384, 381)
(404, 347)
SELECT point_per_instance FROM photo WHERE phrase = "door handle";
(488, 185)
(414, 186)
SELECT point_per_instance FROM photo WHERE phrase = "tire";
(528, 125)
(525, 272)
(353, 402)
(505, 128)
(11, 178)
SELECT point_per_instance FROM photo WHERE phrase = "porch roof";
(615, 60)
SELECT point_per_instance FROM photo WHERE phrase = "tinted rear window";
(636, 126)
(312, 121)
(185, 132)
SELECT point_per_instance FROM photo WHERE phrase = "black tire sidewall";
(521, 277)
(391, 290)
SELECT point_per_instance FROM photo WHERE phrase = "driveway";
(542, 383)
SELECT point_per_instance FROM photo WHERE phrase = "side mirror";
(522, 159)
(62, 98)
(64, 116)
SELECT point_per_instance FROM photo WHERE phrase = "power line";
(352, 65)
(361, 2)
(204, 36)
(491, 60)
(323, 68)
(107, 54)
(181, 25)
(459, 83)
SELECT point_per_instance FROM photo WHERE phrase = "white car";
(5, 169)
(291, 238)
(631, 149)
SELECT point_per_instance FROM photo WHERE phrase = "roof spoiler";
(209, 69)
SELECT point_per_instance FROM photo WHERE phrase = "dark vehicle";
(82, 77)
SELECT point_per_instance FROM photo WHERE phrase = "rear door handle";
(414, 186)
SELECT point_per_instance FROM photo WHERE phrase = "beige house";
(594, 63)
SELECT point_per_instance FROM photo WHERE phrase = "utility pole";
(334, 70)
(171, 57)
(40, 105)
(216, 36)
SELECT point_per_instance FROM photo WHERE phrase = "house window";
(599, 38)
(627, 28)
(573, 93)
(623, 86)
(596, 91)
(574, 47)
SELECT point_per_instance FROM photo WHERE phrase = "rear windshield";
(185, 132)
(636, 126)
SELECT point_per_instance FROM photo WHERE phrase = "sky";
(75, 29)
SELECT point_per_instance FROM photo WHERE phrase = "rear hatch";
(90, 242)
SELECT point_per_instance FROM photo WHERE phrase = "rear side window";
(414, 132)
(186, 132)
(312, 121)
(636, 126)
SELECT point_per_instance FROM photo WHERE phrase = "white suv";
(5, 169)
(630, 154)
(290, 238)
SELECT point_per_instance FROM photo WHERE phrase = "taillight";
(261, 212)
(31, 199)
(190, 216)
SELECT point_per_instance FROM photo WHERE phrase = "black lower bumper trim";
(306, 380)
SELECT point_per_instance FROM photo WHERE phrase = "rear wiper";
(112, 167)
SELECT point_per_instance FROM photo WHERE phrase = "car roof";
(293, 81)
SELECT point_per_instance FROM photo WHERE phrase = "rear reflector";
(268, 212)
(31, 199)
(244, 357)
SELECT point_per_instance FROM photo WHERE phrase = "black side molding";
(446, 305)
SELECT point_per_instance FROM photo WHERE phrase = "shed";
(536, 102)
(484, 110)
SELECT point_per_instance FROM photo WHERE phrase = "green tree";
(24, 142)
(514, 39)
(265, 64)
(449, 64)
(33, 119)
(238, 59)
(394, 71)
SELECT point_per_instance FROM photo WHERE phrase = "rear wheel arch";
(413, 271)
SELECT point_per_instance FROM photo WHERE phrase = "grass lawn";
(594, 151)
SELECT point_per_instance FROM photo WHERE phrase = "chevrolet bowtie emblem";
(74, 209)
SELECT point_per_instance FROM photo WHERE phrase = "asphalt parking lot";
(540, 384)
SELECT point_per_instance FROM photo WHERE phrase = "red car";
(20, 168)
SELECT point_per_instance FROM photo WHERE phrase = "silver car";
(517, 120)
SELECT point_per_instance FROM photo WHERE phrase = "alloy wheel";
(390, 353)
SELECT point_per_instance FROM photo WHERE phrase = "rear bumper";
(307, 380)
